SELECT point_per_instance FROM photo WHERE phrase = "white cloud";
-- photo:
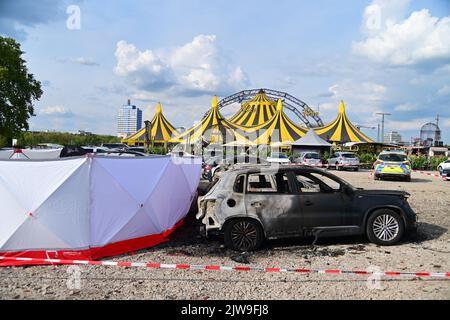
(406, 107)
(446, 123)
(420, 38)
(408, 125)
(444, 91)
(381, 14)
(80, 60)
(57, 111)
(195, 68)
(363, 92)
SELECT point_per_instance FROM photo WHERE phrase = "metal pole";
(383, 114)
(378, 133)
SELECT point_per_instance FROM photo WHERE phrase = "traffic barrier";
(224, 268)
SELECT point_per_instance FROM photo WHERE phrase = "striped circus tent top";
(212, 129)
(341, 130)
(278, 130)
(256, 111)
(161, 130)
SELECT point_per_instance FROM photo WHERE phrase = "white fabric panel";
(112, 207)
(6, 154)
(192, 170)
(12, 213)
(139, 176)
(140, 225)
(66, 212)
(32, 235)
(169, 200)
(45, 154)
(33, 182)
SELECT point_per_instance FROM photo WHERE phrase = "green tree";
(18, 90)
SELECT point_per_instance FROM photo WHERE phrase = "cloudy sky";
(92, 55)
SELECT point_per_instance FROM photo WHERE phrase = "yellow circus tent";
(212, 129)
(278, 130)
(256, 111)
(161, 131)
(341, 130)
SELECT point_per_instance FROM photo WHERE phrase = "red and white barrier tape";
(431, 174)
(324, 165)
(225, 268)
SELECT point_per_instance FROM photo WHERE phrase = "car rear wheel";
(385, 227)
(243, 235)
(440, 170)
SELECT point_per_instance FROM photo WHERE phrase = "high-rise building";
(129, 120)
(393, 137)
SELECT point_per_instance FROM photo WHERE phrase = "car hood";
(397, 193)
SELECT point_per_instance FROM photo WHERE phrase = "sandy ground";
(429, 250)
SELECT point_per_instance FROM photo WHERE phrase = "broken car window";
(261, 183)
(306, 184)
(239, 184)
(332, 185)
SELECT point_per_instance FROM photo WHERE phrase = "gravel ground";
(429, 250)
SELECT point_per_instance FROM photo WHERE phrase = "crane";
(359, 126)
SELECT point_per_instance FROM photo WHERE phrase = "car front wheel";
(385, 227)
(243, 235)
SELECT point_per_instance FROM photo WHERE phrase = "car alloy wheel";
(385, 227)
(244, 235)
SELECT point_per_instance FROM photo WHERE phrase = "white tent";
(310, 139)
(30, 154)
(92, 207)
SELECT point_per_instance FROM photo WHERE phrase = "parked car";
(444, 169)
(392, 164)
(116, 146)
(344, 160)
(250, 204)
(216, 165)
(278, 157)
(73, 151)
(309, 158)
(122, 154)
(137, 149)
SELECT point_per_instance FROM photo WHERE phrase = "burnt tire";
(243, 235)
(385, 227)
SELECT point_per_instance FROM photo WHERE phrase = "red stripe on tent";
(109, 250)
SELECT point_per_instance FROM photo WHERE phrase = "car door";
(322, 202)
(269, 199)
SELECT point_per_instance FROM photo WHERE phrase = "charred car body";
(250, 204)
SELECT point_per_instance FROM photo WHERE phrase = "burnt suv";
(253, 203)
